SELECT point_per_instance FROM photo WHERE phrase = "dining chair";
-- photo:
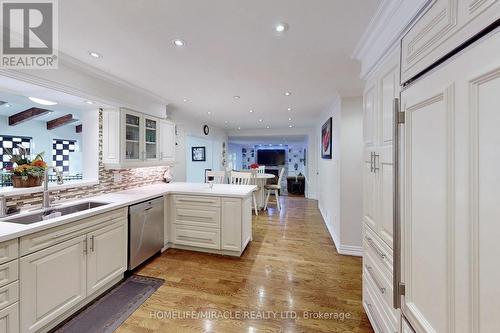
(245, 178)
(274, 188)
(218, 177)
(261, 169)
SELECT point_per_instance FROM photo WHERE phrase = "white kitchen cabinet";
(381, 91)
(446, 24)
(133, 139)
(211, 224)
(52, 281)
(167, 141)
(107, 255)
(451, 157)
(9, 319)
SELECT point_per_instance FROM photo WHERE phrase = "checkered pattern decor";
(60, 153)
(12, 142)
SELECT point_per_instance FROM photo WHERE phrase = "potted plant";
(27, 172)
(254, 166)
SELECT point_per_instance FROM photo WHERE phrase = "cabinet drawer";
(381, 287)
(376, 311)
(379, 251)
(9, 250)
(52, 236)
(9, 319)
(196, 236)
(202, 216)
(9, 294)
(196, 201)
(9, 272)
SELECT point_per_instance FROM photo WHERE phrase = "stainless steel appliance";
(145, 225)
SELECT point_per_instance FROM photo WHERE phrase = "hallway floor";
(289, 272)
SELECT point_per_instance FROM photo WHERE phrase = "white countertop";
(121, 199)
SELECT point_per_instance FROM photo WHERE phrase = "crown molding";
(387, 26)
(78, 65)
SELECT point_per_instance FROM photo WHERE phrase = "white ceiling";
(231, 49)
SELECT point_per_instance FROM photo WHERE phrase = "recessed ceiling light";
(239, 127)
(89, 102)
(281, 27)
(209, 113)
(42, 101)
(289, 109)
(260, 120)
(95, 54)
(236, 97)
(225, 121)
(268, 126)
(290, 126)
(7, 105)
(290, 119)
(287, 93)
(251, 111)
(184, 100)
(179, 42)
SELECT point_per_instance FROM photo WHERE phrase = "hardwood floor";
(291, 265)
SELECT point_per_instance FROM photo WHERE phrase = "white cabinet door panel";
(167, 141)
(53, 280)
(370, 116)
(9, 319)
(386, 178)
(231, 224)
(369, 192)
(107, 255)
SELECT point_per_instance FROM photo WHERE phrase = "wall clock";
(206, 129)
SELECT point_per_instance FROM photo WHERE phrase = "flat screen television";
(271, 157)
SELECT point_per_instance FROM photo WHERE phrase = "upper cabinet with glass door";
(132, 139)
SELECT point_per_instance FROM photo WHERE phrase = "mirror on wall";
(50, 125)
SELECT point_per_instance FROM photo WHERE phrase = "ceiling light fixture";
(42, 101)
(95, 54)
(281, 27)
(287, 93)
(225, 121)
(289, 119)
(268, 126)
(209, 113)
(239, 127)
(251, 111)
(179, 42)
(289, 109)
(260, 120)
(290, 126)
(236, 97)
(89, 102)
(184, 100)
(7, 105)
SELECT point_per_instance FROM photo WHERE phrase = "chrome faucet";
(46, 193)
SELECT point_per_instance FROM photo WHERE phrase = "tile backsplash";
(130, 178)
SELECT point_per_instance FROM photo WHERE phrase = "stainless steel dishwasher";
(145, 225)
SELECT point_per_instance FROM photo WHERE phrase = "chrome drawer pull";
(375, 319)
(379, 285)
(375, 247)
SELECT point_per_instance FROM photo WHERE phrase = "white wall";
(351, 170)
(188, 132)
(339, 184)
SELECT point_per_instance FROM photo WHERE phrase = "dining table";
(261, 181)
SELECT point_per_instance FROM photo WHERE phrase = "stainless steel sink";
(55, 212)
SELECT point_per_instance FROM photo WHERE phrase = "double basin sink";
(53, 212)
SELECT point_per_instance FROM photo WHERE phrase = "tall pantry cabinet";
(382, 89)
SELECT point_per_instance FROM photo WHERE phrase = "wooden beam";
(26, 115)
(79, 128)
(61, 121)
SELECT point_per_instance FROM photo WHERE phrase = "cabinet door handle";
(92, 243)
(375, 160)
(375, 247)
(371, 161)
(379, 285)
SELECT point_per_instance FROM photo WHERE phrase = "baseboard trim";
(348, 250)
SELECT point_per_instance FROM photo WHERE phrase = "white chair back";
(282, 171)
(261, 169)
(219, 177)
(241, 178)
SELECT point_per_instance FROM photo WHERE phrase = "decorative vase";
(26, 181)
